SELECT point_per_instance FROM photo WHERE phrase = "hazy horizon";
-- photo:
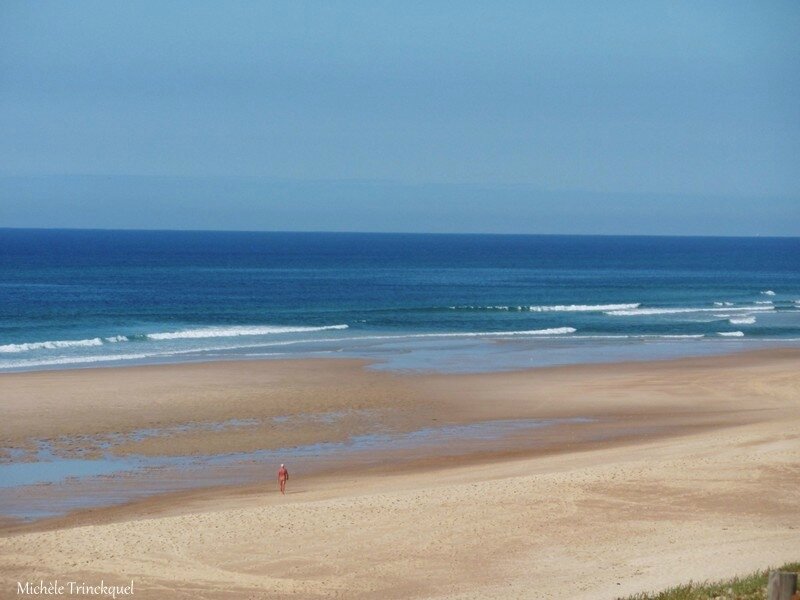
(256, 204)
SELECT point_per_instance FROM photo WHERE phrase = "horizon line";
(409, 233)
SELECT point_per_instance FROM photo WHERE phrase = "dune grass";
(750, 587)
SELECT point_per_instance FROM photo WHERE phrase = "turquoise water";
(410, 302)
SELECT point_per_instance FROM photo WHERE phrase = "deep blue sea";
(77, 298)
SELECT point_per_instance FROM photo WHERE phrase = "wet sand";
(690, 469)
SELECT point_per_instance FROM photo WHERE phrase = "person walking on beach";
(283, 477)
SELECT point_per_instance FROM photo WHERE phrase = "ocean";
(407, 302)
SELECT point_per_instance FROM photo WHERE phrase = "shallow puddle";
(52, 485)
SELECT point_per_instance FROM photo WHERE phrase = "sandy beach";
(399, 301)
(685, 469)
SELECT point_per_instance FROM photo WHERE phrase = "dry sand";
(705, 483)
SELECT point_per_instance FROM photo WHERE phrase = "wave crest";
(550, 331)
(50, 345)
(742, 321)
(206, 332)
(554, 308)
(674, 311)
(236, 331)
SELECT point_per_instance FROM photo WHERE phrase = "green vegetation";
(751, 587)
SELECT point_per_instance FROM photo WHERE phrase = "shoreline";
(620, 353)
(185, 394)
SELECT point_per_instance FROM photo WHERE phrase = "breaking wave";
(742, 321)
(674, 311)
(550, 331)
(206, 332)
(554, 308)
(50, 345)
(236, 331)
(731, 333)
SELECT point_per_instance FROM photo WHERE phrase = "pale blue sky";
(582, 117)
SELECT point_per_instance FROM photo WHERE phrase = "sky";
(510, 117)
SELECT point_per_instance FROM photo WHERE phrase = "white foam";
(768, 293)
(673, 311)
(554, 308)
(742, 321)
(50, 345)
(723, 303)
(642, 336)
(769, 302)
(236, 331)
(207, 332)
(553, 331)
(550, 331)
(731, 333)
(76, 360)
(583, 307)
